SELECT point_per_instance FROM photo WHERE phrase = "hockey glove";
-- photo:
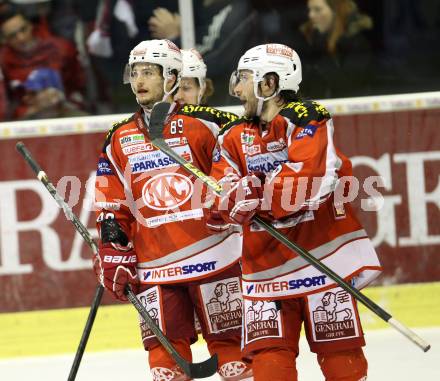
(115, 268)
(243, 200)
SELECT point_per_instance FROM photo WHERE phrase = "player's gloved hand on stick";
(115, 268)
(242, 200)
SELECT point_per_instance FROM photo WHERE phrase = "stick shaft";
(86, 333)
(41, 175)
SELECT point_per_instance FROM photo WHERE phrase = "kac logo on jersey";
(167, 191)
(308, 130)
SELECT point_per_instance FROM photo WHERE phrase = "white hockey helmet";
(270, 58)
(194, 67)
(160, 52)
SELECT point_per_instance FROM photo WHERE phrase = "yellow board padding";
(415, 305)
(116, 327)
(59, 331)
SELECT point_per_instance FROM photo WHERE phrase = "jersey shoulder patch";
(210, 114)
(303, 112)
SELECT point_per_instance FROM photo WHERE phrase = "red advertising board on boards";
(44, 264)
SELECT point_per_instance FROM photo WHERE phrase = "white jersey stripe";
(299, 262)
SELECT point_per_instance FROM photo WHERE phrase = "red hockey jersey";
(157, 203)
(303, 169)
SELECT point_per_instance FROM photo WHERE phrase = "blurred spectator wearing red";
(23, 51)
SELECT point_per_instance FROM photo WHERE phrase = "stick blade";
(157, 119)
(202, 369)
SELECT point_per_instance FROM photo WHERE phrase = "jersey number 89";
(176, 126)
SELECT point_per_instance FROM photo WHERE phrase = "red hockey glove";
(243, 200)
(115, 268)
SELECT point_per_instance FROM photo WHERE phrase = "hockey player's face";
(147, 83)
(244, 89)
(320, 14)
(188, 92)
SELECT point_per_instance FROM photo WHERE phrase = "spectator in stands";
(223, 28)
(35, 11)
(24, 52)
(112, 29)
(335, 51)
(44, 96)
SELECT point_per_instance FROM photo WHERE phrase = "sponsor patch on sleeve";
(308, 130)
(104, 168)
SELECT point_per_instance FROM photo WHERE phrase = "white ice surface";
(391, 357)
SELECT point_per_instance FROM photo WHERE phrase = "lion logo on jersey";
(334, 317)
(258, 313)
(223, 304)
(262, 320)
(222, 295)
(329, 305)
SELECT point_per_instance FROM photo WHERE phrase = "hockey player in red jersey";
(152, 233)
(280, 162)
(194, 87)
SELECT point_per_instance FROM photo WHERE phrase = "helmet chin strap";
(166, 93)
(261, 100)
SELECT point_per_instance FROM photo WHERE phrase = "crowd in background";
(66, 57)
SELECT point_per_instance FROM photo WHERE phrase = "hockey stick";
(157, 120)
(193, 370)
(86, 333)
(41, 175)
